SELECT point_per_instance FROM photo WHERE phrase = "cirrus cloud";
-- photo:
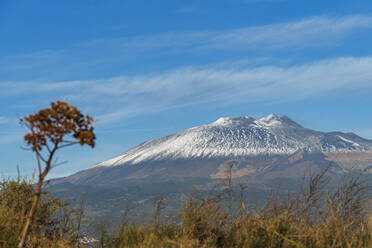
(121, 97)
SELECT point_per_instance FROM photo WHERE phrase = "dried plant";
(51, 129)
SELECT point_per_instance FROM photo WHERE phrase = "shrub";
(54, 221)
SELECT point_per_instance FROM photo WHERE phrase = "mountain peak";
(235, 121)
(278, 120)
(272, 120)
(271, 117)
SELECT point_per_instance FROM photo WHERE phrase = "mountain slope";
(258, 147)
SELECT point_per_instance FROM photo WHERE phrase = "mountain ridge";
(240, 136)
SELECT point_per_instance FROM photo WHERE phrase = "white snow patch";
(349, 141)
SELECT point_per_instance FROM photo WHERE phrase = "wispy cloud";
(307, 32)
(101, 55)
(122, 97)
(107, 56)
(313, 31)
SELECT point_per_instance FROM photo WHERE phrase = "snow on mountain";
(239, 137)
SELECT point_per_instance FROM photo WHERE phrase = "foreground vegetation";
(315, 216)
(55, 224)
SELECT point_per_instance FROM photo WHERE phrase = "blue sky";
(145, 69)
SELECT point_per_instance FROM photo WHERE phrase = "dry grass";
(316, 216)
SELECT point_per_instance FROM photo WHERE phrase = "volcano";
(273, 146)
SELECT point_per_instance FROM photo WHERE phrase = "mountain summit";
(258, 146)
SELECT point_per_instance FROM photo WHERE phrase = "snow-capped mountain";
(268, 147)
(240, 137)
